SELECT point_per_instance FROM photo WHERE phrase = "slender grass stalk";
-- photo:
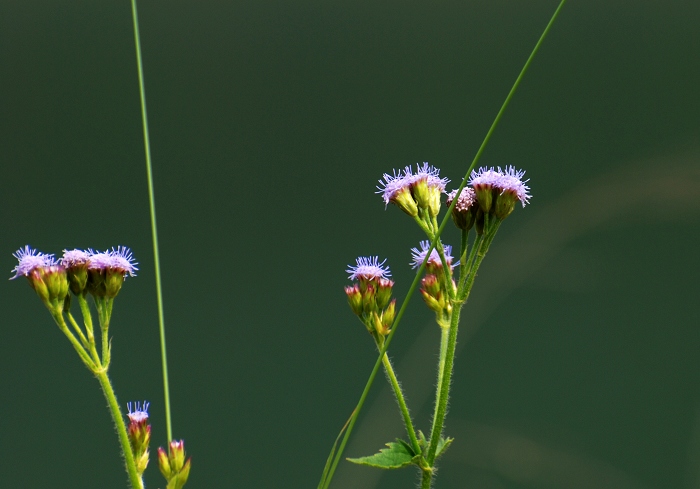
(154, 229)
(419, 273)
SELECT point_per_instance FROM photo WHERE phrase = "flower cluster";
(498, 190)
(434, 262)
(435, 284)
(488, 199)
(370, 297)
(413, 192)
(100, 273)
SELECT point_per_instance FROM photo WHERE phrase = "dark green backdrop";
(271, 122)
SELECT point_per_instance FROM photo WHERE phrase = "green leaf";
(443, 445)
(399, 454)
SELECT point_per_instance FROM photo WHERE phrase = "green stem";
(88, 343)
(402, 403)
(74, 341)
(134, 478)
(444, 387)
(444, 335)
(426, 479)
(87, 317)
(77, 329)
(154, 229)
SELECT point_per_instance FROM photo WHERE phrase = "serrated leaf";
(399, 454)
(443, 445)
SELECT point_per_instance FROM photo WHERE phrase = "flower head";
(392, 184)
(139, 434)
(396, 188)
(464, 211)
(75, 258)
(485, 177)
(465, 201)
(46, 276)
(118, 260)
(433, 259)
(29, 260)
(430, 175)
(368, 268)
(123, 260)
(108, 269)
(498, 190)
(426, 187)
(512, 182)
(139, 415)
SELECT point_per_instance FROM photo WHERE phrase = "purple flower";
(467, 198)
(512, 182)
(29, 260)
(508, 180)
(430, 175)
(433, 259)
(120, 260)
(368, 268)
(485, 177)
(75, 258)
(123, 260)
(140, 413)
(394, 184)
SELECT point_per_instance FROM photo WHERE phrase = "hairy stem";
(134, 478)
(402, 403)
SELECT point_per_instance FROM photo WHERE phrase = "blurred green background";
(579, 359)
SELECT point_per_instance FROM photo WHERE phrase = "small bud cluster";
(173, 465)
(139, 434)
(435, 284)
(370, 297)
(414, 192)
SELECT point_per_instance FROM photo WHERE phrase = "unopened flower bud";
(388, 316)
(36, 280)
(369, 302)
(384, 287)
(431, 284)
(51, 285)
(431, 301)
(173, 465)
(354, 298)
